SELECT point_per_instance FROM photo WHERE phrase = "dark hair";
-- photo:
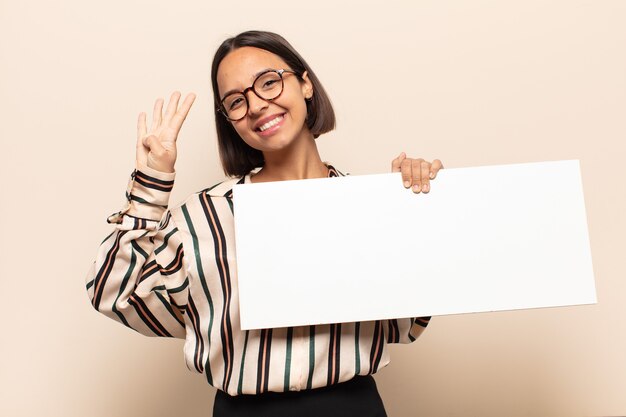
(238, 158)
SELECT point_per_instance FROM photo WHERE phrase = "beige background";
(472, 83)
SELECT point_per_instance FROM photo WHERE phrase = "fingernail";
(416, 188)
(406, 184)
(426, 188)
(432, 175)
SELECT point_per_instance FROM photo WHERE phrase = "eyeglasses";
(267, 86)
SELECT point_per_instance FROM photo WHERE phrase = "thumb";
(158, 156)
(395, 164)
(153, 144)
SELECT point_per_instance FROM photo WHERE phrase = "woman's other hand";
(416, 173)
(156, 148)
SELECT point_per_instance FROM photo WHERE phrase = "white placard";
(360, 248)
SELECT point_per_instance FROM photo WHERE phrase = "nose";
(255, 103)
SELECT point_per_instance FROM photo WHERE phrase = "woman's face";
(287, 113)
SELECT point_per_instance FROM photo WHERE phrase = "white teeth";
(271, 123)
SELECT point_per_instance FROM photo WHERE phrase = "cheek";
(292, 99)
(242, 130)
(298, 109)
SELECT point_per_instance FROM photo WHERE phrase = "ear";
(307, 86)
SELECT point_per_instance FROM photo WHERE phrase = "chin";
(273, 143)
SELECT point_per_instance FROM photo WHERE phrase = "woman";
(172, 272)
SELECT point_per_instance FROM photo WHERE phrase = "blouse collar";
(225, 188)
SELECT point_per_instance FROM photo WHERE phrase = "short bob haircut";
(238, 158)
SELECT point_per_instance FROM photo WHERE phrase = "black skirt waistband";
(357, 397)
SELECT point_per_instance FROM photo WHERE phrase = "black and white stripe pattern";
(172, 273)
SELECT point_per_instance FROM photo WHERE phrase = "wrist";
(162, 168)
(159, 172)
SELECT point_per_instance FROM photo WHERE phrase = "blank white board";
(360, 248)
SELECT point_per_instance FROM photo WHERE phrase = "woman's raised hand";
(416, 173)
(156, 148)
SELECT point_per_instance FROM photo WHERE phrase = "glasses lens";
(235, 105)
(269, 85)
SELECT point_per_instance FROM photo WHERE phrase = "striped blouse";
(173, 272)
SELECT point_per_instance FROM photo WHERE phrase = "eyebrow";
(239, 91)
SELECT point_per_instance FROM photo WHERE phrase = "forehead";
(237, 70)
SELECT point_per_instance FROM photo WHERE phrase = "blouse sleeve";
(404, 330)
(139, 275)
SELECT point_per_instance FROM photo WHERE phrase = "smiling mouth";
(270, 124)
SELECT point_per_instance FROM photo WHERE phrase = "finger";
(415, 175)
(155, 147)
(395, 164)
(141, 125)
(156, 114)
(434, 168)
(424, 174)
(151, 142)
(180, 116)
(172, 105)
(405, 169)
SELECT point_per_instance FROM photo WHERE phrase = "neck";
(299, 161)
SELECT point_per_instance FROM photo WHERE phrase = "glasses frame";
(222, 109)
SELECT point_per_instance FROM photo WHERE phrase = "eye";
(269, 83)
(236, 102)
